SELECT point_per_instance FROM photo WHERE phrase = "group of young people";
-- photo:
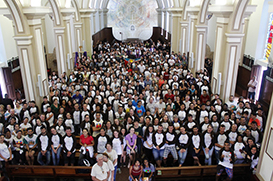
(133, 99)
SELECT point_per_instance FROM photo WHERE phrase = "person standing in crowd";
(252, 85)
(100, 171)
(56, 142)
(43, 143)
(69, 147)
(226, 160)
(208, 141)
(159, 140)
(30, 142)
(5, 155)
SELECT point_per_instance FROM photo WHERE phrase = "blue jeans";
(158, 154)
(217, 156)
(182, 156)
(130, 179)
(208, 155)
(251, 95)
(56, 157)
(40, 158)
(115, 172)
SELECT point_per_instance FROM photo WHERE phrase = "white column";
(40, 62)
(59, 36)
(105, 11)
(175, 17)
(28, 71)
(78, 35)
(233, 52)
(184, 36)
(87, 29)
(200, 46)
(192, 42)
(159, 17)
(68, 35)
(220, 50)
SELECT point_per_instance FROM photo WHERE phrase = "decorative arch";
(56, 13)
(185, 13)
(77, 12)
(160, 3)
(238, 15)
(107, 1)
(203, 12)
(15, 8)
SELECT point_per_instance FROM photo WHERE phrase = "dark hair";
(146, 134)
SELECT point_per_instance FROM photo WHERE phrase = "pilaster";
(87, 16)
(184, 48)
(233, 52)
(201, 31)
(175, 17)
(59, 36)
(193, 35)
(28, 69)
(159, 17)
(39, 62)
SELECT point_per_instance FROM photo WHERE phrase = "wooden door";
(9, 82)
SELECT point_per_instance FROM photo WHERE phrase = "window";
(268, 45)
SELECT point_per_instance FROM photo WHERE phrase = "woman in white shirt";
(239, 150)
(148, 142)
(117, 143)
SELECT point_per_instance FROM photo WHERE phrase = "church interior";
(114, 57)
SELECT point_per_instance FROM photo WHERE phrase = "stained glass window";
(268, 45)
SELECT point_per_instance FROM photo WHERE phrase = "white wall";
(257, 30)
(211, 33)
(7, 39)
(265, 163)
(49, 34)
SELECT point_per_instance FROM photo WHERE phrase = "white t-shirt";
(226, 161)
(112, 156)
(100, 172)
(253, 83)
(117, 145)
(4, 151)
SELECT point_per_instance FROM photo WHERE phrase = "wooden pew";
(196, 172)
(36, 171)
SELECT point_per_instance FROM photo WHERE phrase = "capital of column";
(23, 40)
(35, 15)
(104, 11)
(87, 13)
(59, 30)
(159, 10)
(175, 11)
(78, 25)
(234, 37)
(184, 23)
(193, 11)
(201, 28)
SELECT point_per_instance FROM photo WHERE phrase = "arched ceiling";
(96, 4)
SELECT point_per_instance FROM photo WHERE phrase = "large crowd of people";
(132, 105)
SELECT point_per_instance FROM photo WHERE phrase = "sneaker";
(124, 165)
(129, 165)
(119, 171)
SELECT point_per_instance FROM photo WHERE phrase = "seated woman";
(131, 149)
(239, 147)
(87, 143)
(135, 171)
(253, 158)
(148, 170)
